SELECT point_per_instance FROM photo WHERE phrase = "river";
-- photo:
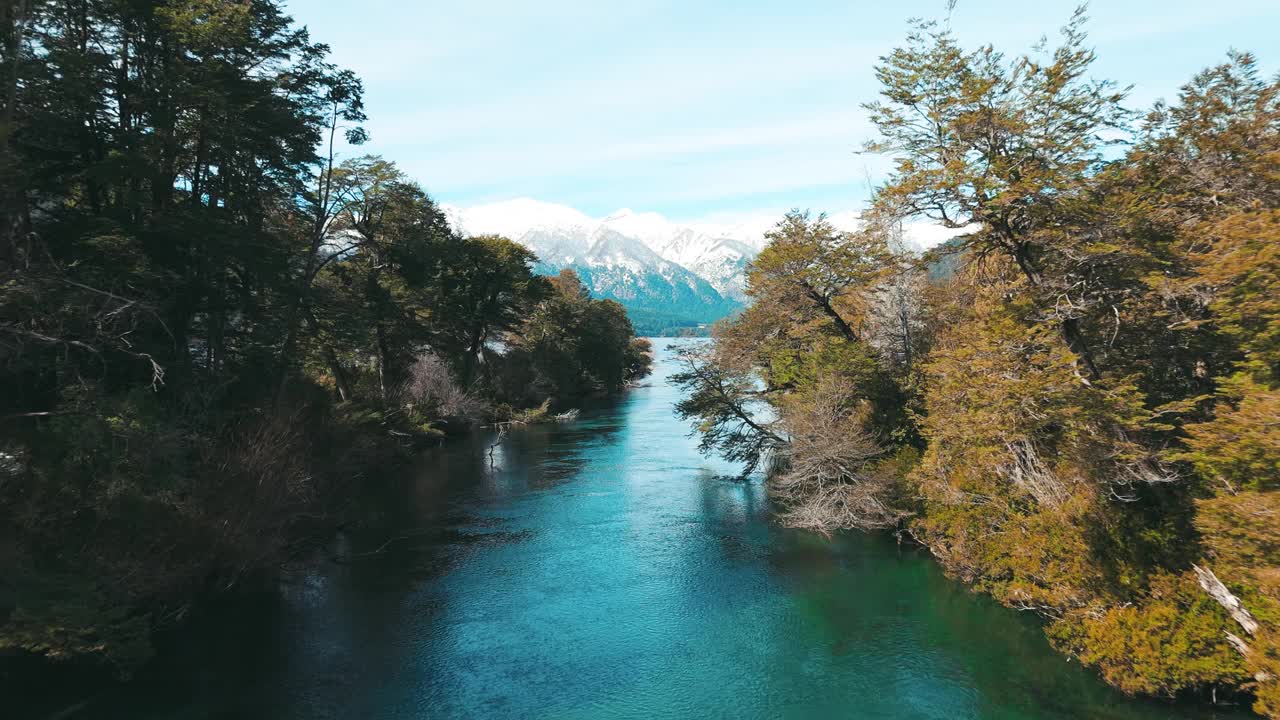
(603, 569)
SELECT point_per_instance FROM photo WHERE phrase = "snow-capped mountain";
(662, 271)
(564, 237)
(623, 268)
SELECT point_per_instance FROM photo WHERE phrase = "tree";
(728, 408)
(379, 269)
(571, 345)
(812, 270)
(829, 478)
(154, 159)
(489, 287)
(186, 268)
(1088, 398)
(1005, 149)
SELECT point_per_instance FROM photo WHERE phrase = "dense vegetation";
(1075, 404)
(209, 328)
(653, 323)
(657, 305)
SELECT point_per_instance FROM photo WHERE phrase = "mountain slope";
(658, 294)
(666, 274)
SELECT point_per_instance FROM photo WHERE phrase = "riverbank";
(354, 452)
(603, 568)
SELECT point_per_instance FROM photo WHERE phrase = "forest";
(1074, 405)
(219, 324)
(213, 329)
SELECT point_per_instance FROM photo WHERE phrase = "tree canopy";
(1073, 404)
(210, 322)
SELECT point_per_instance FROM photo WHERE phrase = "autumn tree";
(1086, 396)
(1219, 148)
(1004, 148)
(801, 377)
(1032, 480)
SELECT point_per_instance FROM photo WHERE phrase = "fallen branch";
(1223, 597)
(1245, 651)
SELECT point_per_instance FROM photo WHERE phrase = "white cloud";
(512, 218)
(690, 107)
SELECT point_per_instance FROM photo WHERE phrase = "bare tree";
(898, 315)
(432, 389)
(830, 480)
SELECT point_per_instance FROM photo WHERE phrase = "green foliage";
(979, 139)
(187, 287)
(571, 345)
(65, 615)
(486, 289)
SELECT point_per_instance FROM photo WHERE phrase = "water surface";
(603, 569)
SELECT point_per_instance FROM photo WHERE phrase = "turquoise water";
(603, 569)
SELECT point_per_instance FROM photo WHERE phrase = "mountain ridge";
(667, 274)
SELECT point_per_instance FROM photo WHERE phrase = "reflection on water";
(603, 569)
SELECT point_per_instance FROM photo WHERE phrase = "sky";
(701, 110)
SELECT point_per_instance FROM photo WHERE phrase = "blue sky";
(698, 110)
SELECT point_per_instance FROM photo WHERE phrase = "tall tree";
(1003, 149)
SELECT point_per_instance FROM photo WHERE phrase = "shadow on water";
(602, 569)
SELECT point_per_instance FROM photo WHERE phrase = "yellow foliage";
(1021, 458)
(1242, 534)
(1172, 639)
(1241, 266)
(1240, 447)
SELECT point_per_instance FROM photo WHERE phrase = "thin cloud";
(693, 108)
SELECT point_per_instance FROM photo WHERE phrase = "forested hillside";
(1083, 418)
(213, 330)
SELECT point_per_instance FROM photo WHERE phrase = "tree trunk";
(339, 374)
(1223, 597)
(1070, 327)
(340, 379)
(824, 304)
(198, 168)
(384, 373)
(324, 186)
(166, 131)
(1080, 346)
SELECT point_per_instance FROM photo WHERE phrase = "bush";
(432, 391)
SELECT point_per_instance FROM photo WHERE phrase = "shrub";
(431, 390)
